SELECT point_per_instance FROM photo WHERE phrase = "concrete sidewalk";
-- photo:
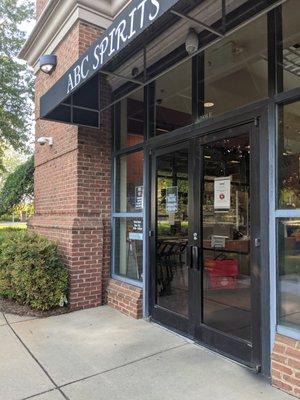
(101, 354)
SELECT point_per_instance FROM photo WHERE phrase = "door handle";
(195, 257)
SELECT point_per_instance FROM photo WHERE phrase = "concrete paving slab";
(20, 375)
(53, 395)
(77, 345)
(13, 318)
(2, 319)
(188, 372)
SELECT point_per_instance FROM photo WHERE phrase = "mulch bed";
(10, 307)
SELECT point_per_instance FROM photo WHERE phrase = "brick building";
(169, 173)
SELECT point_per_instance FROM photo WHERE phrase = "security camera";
(192, 42)
(45, 140)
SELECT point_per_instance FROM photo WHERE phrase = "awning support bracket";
(145, 63)
(125, 78)
(223, 16)
(196, 21)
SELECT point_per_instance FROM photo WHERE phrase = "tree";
(17, 187)
(11, 160)
(16, 79)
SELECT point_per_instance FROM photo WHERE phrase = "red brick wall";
(286, 365)
(72, 184)
(126, 298)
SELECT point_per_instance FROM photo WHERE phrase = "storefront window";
(173, 99)
(129, 248)
(290, 45)
(130, 120)
(236, 69)
(128, 216)
(289, 156)
(129, 182)
(289, 272)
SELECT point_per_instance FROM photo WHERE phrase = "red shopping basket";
(221, 273)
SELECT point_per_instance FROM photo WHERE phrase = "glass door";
(205, 241)
(170, 242)
(229, 244)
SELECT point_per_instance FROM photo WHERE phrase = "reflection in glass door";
(172, 231)
(226, 236)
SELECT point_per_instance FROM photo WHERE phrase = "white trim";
(57, 19)
(281, 213)
(78, 13)
(289, 332)
(272, 229)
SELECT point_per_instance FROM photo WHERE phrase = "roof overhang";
(75, 97)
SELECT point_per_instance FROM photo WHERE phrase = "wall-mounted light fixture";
(48, 63)
(45, 140)
(192, 42)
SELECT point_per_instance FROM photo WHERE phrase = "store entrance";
(205, 243)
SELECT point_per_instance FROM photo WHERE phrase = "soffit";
(209, 11)
(58, 18)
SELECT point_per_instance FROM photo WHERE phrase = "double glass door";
(205, 244)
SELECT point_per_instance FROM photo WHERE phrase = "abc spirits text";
(111, 43)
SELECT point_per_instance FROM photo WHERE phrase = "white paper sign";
(137, 230)
(139, 197)
(222, 192)
(172, 200)
(135, 236)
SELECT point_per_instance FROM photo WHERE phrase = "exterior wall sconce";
(48, 63)
(192, 42)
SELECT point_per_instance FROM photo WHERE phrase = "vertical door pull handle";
(195, 257)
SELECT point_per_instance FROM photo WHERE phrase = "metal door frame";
(235, 347)
(258, 115)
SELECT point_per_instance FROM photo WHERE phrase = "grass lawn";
(19, 225)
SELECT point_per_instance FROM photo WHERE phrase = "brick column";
(72, 184)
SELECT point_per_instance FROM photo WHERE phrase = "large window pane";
(289, 272)
(173, 99)
(129, 182)
(289, 155)
(236, 69)
(129, 248)
(129, 129)
(291, 44)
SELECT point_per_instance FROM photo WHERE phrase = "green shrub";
(6, 231)
(9, 217)
(31, 272)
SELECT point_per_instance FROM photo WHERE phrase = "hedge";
(31, 272)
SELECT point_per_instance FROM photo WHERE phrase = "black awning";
(75, 97)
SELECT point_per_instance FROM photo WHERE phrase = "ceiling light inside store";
(209, 104)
